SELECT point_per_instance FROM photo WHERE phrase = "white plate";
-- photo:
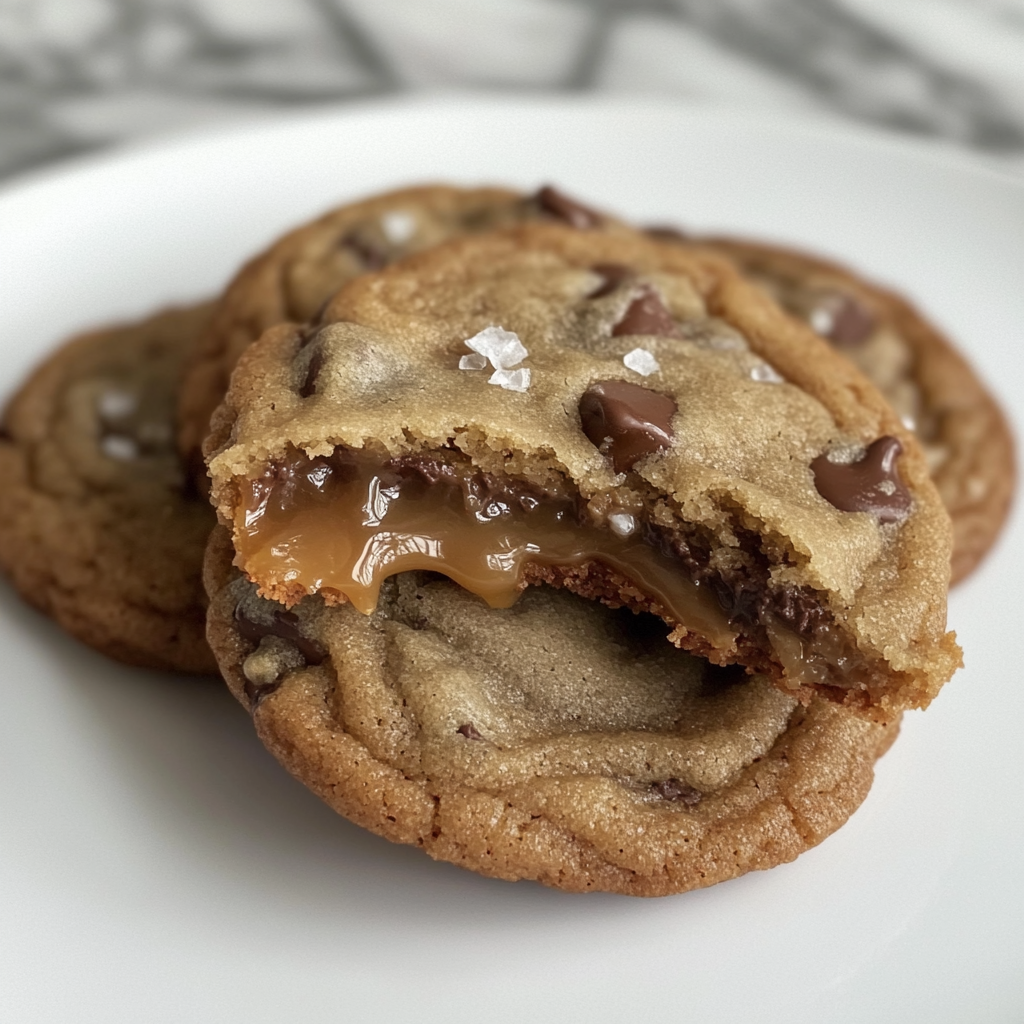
(156, 865)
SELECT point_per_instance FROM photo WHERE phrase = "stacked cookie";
(558, 548)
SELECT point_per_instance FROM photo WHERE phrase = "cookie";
(99, 527)
(556, 740)
(965, 435)
(651, 431)
(293, 279)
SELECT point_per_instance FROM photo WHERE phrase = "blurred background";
(76, 75)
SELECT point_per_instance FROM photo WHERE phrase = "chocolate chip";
(257, 693)
(626, 421)
(316, 364)
(470, 731)
(285, 625)
(647, 314)
(843, 319)
(677, 792)
(614, 274)
(666, 233)
(574, 214)
(871, 485)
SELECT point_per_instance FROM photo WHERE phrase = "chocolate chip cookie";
(556, 740)
(99, 527)
(622, 418)
(964, 434)
(293, 279)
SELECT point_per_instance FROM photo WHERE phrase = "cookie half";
(99, 527)
(556, 740)
(626, 419)
(965, 435)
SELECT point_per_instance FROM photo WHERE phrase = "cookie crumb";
(641, 361)
(270, 661)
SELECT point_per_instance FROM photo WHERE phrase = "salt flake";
(119, 447)
(622, 524)
(398, 226)
(115, 405)
(511, 380)
(503, 348)
(641, 361)
(475, 361)
(765, 374)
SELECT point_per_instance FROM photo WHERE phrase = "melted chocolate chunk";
(285, 624)
(677, 792)
(559, 205)
(470, 731)
(316, 364)
(647, 314)
(871, 485)
(626, 421)
(614, 274)
(843, 319)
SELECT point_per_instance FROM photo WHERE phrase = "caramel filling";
(346, 523)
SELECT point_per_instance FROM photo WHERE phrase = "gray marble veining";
(78, 74)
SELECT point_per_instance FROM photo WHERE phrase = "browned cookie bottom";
(98, 525)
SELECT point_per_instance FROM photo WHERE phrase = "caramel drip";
(345, 526)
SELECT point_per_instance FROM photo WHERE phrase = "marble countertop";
(76, 75)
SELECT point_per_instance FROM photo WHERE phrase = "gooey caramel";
(345, 523)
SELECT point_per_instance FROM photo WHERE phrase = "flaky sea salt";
(115, 405)
(511, 380)
(765, 374)
(119, 447)
(641, 361)
(503, 348)
(398, 226)
(822, 320)
(622, 524)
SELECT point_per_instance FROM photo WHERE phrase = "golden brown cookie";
(650, 431)
(293, 279)
(556, 740)
(99, 527)
(965, 436)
